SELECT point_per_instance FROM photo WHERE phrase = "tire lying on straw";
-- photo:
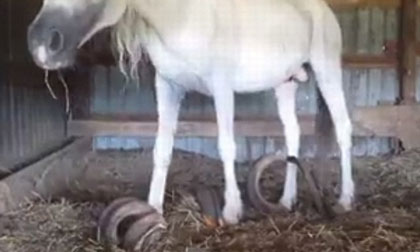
(267, 207)
(128, 223)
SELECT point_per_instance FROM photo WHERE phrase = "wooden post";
(407, 67)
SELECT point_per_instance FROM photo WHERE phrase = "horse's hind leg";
(325, 60)
(286, 104)
(329, 77)
(168, 104)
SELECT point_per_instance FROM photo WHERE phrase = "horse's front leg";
(169, 97)
(224, 103)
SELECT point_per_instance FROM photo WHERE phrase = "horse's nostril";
(55, 43)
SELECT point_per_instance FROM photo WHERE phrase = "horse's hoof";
(288, 203)
(253, 187)
(127, 222)
(210, 203)
(339, 209)
(232, 212)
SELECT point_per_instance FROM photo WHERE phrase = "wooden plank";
(351, 4)
(408, 52)
(185, 128)
(369, 61)
(391, 49)
(401, 121)
(382, 121)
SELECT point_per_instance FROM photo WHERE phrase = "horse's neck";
(160, 14)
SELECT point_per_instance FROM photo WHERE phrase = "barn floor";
(386, 215)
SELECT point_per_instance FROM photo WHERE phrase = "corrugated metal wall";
(364, 31)
(31, 121)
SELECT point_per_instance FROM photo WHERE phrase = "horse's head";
(62, 26)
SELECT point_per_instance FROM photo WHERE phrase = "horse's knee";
(344, 133)
(162, 152)
(162, 155)
(227, 148)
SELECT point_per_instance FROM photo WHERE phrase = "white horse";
(216, 47)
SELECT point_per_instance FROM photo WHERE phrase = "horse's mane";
(127, 38)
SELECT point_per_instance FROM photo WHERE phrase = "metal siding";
(364, 31)
(31, 122)
(368, 29)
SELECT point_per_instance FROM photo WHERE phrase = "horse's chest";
(181, 69)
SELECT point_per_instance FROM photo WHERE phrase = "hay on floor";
(386, 218)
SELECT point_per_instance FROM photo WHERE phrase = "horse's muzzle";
(46, 45)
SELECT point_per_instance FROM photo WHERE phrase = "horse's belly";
(248, 85)
(191, 82)
(265, 74)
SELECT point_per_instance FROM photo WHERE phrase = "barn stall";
(60, 167)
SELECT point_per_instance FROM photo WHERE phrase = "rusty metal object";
(210, 203)
(127, 222)
(263, 205)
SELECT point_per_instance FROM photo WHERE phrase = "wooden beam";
(350, 4)
(185, 128)
(408, 52)
(369, 61)
(402, 122)
(391, 48)
(251, 128)
(382, 121)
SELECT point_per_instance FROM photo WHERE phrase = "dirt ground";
(385, 217)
